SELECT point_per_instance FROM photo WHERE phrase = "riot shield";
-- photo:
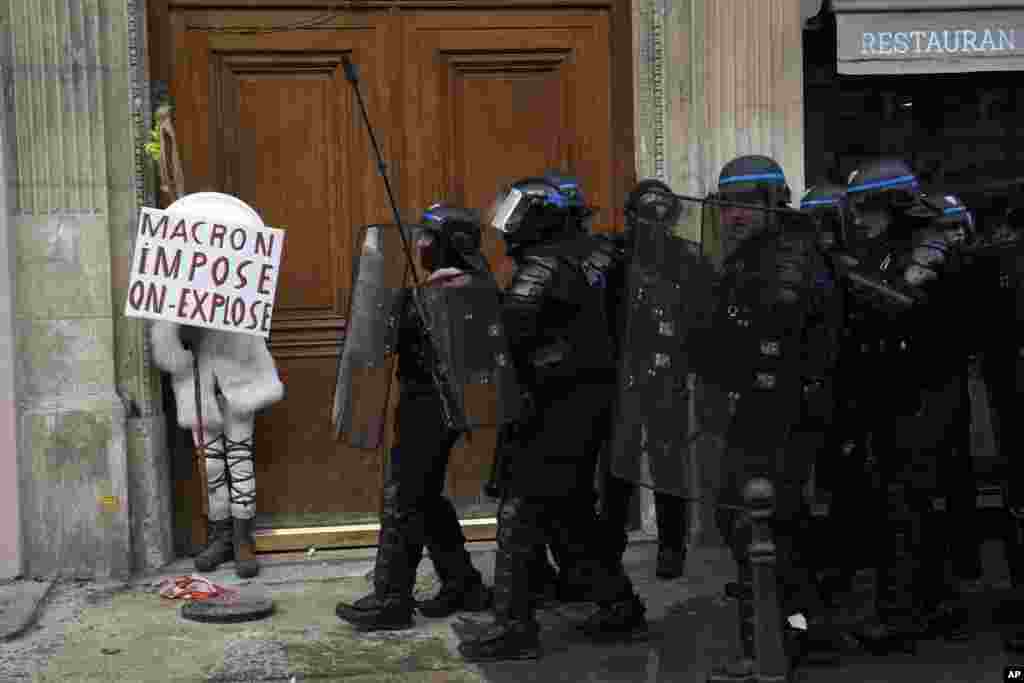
(367, 358)
(995, 274)
(775, 335)
(465, 327)
(668, 284)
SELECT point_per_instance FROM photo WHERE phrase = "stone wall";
(92, 464)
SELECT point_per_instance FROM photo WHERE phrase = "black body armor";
(415, 354)
(555, 310)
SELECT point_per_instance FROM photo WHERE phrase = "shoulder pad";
(534, 275)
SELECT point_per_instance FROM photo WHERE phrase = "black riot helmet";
(754, 179)
(956, 220)
(826, 204)
(534, 210)
(646, 196)
(650, 202)
(457, 237)
(569, 187)
(883, 195)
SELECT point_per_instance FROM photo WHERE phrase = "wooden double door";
(461, 101)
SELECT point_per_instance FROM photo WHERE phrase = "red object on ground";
(193, 588)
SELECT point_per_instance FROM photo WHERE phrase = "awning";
(929, 36)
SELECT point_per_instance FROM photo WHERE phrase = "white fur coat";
(239, 364)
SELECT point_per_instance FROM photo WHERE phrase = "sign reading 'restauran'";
(930, 42)
(946, 41)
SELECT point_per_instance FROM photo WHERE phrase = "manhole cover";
(228, 609)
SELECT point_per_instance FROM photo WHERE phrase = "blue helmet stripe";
(818, 202)
(877, 185)
(756, 176)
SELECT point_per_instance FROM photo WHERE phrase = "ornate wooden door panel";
(270, 118)
(492, 97)
(461, 101)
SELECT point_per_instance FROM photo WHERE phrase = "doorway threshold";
(352, 536)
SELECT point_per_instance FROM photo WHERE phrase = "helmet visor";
(755, 198)
(508, 210)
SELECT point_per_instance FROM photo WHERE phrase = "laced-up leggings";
(230, 477)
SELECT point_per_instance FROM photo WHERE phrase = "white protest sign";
(193, 270)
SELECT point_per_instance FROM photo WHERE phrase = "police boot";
(462, 586)
(390, 606)
(503, 641)
(616, 620)
(246, 564)
(515, 633)
(671, 515)
(219, 547)
(741, 669)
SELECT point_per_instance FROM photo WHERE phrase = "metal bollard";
(772, 663)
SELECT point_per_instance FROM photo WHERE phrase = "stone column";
(10, 492)
(92, 460)
(717, 79)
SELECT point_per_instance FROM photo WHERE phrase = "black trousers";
(769, 437)
(960, 491)
(415, 512)
(918, 500)
(569, 523)
(616, 497)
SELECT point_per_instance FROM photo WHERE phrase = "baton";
(441, 380)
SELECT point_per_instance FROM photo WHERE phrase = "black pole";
(738, 205)
(352, 76)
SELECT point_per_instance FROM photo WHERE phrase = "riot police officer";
(830, 500)
(554, 317)
(900, 346)
(957, 494)
(617, 493)
(826, 204)
(998, 280)
(607, 261)
(415, 512)
(547, 583)
(772, 323)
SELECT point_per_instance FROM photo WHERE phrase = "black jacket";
(556, 311)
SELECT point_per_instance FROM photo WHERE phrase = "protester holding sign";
(208, 263)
